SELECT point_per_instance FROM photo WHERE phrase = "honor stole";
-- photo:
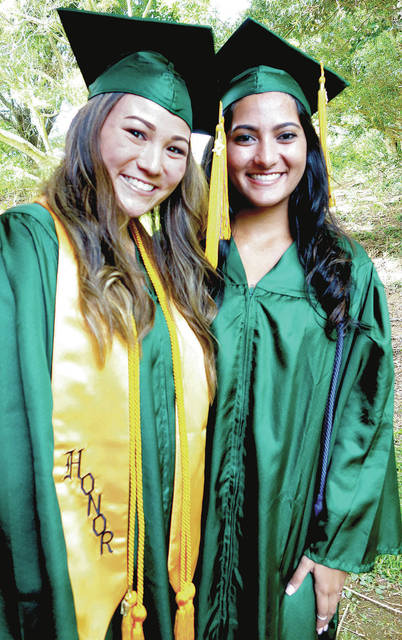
(91, 440)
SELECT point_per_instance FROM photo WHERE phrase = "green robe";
(274, 368)
(35, 593)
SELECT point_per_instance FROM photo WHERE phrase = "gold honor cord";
(322, 120)
(184, 623)
(218, 209)
(132, 608)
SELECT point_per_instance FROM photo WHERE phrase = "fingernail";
(290, 589)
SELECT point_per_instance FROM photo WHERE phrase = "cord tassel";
(134, 615)
(184, 622)
(322, 120)
(218, 209)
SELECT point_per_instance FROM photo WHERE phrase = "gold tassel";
(184, 622)
(131, 620)
(218, 209)
(138, 616)
(322, 119)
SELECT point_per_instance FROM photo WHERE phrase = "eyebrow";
(153, 128)
(147, 124)
(249, 127)
(182, 139)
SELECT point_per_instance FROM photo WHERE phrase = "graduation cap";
(256, 60)
(147, 58)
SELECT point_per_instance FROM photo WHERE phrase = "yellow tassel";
(184, 622)
(139, 614)
(322, 119)
(127, 605)
(134, 615)
(218, 209)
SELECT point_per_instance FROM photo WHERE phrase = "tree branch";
(40, 125)
(24, 146)
(147, 9)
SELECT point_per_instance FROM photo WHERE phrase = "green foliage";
(359, 40)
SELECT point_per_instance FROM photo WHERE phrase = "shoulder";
(28, 242)
(30, 220)
(28, 232)
(362, 266)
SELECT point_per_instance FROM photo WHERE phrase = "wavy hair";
(324, 250)
(112, 283)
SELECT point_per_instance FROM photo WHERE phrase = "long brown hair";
(112, 283)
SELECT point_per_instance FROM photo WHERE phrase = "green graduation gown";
(35, 593)
(274, 368)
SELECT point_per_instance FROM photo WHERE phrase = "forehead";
(131, 107)
(272, 106)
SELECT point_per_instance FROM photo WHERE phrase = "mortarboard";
(147, 58)
(256, 60)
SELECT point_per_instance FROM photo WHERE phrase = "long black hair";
(324, 250)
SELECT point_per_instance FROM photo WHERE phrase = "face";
(145, 149)
(266, 148)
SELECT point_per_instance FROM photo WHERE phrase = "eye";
(287, 136)
(177, 151)
(243, 138)
(137, 134)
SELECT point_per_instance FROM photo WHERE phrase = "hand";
(328, 585)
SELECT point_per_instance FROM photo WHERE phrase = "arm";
(28, 264)
(361, 515)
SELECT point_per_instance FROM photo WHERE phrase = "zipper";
(237, 458)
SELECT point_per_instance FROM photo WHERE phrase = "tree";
(357, 38)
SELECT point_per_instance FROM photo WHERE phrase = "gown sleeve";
(361, 518)
(28, 270)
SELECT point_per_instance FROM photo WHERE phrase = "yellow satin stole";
(90, 421)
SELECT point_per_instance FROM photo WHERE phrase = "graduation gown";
(36, 594)
(274, 368)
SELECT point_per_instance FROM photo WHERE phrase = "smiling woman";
(301, 484)
(108, 358)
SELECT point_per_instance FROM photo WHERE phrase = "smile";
(139, 184)
(265, 177)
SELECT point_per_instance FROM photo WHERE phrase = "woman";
(272, 567)
(87, 410)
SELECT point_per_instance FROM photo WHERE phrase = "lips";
(139, 185)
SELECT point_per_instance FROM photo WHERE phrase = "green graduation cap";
(256, 60)
(147, 58)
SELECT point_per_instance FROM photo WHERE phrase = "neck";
(263, 226)
(262, 236)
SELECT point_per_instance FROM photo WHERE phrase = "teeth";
(265, 177)
(143, 186)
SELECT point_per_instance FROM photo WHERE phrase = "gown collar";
(286, 276)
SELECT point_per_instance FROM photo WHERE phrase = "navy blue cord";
(329, 419)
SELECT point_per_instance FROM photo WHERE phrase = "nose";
(266, 153)
(150, 159)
